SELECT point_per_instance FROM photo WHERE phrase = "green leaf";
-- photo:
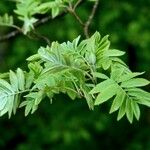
(88, 97)
(70, 89)
(6, 86)
(106, 94)
(55, 11)
(54, 69)
(3, 101)
(4, 75)
(113, 53)
(10, 104)
(104, 44)
(28, 24)
(99, 87)
(75, 42)
(29, 107)
(46, 54)
(119, 61)
(116, 73)
(6, 20)
(122, 110)
(136, 109)
(34, 108)
(100, 75)
(139, 93)
(91, 58)
(106, 63)
(35, 68)
(141, 96)
(39, 97)
(21, 79)
(33, 57)
(36, 96)
(117, 102)
(71, 93)
(129, 110)
(136, 82)
(129, 76)
(16, 103)
(4, 111)
(6, 101)
(144, 102)
(13, 80)
(29, 79)
(24, 103)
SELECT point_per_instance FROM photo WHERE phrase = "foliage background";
(69, 124)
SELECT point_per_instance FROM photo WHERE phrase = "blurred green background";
(70, 125)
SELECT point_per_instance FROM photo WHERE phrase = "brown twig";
(87, 24)
(77, 17)
(77, 3)
(45, 19)
(38, 23)
(72, 10)
(39, 36)
(9, 35)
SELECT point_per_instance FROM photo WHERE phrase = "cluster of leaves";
(88, 69)
(26, 11)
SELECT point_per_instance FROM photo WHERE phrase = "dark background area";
(68, 124)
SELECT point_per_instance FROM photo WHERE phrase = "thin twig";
(77, 3)
(76, 16)
(87, 24)
(9, 35)
(40, 36)
(38, 23)
(71, 9)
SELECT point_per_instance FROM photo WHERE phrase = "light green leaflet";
(6, 20)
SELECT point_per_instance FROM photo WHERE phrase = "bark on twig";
(38, 23)
(87, 24)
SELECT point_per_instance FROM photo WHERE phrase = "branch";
(77, 3)
(38, 23)
(38, 36)
(9, 35)
(72, 10)
(46, 19)
(87, 24)
(76, 16)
